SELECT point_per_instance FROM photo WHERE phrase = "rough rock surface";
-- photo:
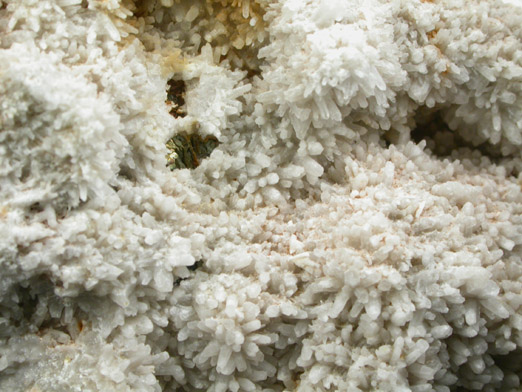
(358, 226)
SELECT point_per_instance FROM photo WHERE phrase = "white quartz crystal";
(358, 227)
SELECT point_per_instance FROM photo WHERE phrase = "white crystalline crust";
(326, 244)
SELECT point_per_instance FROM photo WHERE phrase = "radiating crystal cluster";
(260, 195)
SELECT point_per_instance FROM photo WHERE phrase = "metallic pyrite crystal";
(187, 151)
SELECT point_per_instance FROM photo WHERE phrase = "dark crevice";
(445, 143)
(29, 306)
(141, 8)
(239, 34)
(509, 364)
(126, 173)
(198, 265)
(36, 208)
(440, 139)
(176, 97)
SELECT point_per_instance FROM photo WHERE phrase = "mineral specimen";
(351, 219)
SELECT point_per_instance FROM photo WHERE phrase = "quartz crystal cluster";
(260, 195)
